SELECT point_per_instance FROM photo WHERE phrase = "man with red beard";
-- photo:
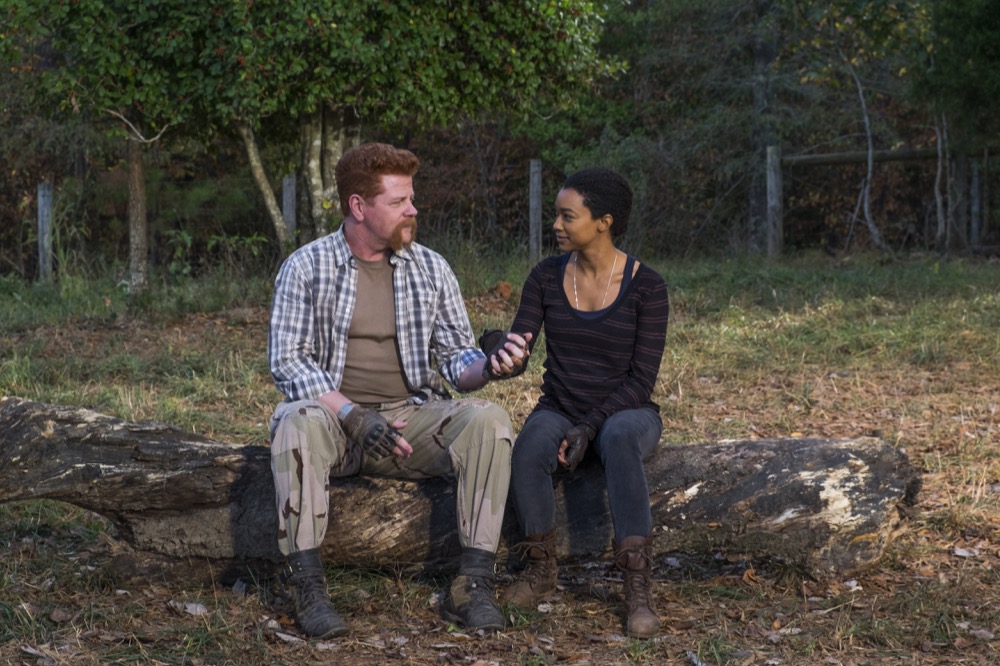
(366, 326)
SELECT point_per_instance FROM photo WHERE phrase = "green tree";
(859, 38)
(328, 67)
(959, 65)
(683, 122)
(956, 74)
(116, 61)
(325, 66)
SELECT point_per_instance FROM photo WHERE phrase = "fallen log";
(827, 507)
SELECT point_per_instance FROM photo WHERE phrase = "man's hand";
(506, 353)
(369, 430)
(574, 445)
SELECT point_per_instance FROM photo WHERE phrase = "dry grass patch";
(909, 352)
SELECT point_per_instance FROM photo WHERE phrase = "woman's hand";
(574, 445)
(506, 353)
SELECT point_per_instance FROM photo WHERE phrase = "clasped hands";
(506, 353)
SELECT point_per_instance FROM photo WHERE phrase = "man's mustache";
(396, 242)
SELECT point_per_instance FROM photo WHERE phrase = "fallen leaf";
(32, 651)
(59, 615)
(189, 607)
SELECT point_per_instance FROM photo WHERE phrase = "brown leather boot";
(539, 576)
(632, 557)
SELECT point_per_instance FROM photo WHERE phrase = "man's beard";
(396, 242)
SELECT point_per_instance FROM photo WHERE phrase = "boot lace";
(534, 572)
(536, 569)
(637, 588)
(480, 589)
(309, 592)
(635, 564)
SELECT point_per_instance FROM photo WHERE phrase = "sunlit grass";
(906, 350)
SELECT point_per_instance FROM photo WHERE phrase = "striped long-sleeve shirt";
(315, 295)
(595, 367)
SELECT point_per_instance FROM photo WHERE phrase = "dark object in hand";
(577, 438)
(491, 342)
(369, 430)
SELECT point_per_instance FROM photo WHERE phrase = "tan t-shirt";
(373, 372)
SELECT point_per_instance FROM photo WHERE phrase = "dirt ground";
(934, 599)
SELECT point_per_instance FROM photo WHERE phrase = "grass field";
(906, 350)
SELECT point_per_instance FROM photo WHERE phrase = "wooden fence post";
(288, 204)
(45, 232)
(535, 210)
(775, 231)
(976, 206)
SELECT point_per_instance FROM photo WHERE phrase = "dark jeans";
(625, 440)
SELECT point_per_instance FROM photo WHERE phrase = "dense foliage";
(478, 89)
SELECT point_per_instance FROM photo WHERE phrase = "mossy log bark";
(827, 507)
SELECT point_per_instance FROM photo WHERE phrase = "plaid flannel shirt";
(315, 294)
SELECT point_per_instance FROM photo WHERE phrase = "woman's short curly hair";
(604, 192)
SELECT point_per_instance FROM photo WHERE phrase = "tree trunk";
(327, 134)
(138, 241)
(940, 130)
(828, 507)
(870, 161)
(312, 170)
(264, 185)
(487, 178)
(958, 197)
(764, 132)
(985, 213)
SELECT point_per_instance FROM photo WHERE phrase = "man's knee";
(308, 426)
(490, 419)
(304, 415)
(498, 417)
(487, 430)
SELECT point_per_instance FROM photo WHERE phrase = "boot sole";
(335, 632)
(457, 619)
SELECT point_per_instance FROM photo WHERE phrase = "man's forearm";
(334, 401)
(472, 377)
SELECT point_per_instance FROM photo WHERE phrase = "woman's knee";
(538, 443)
(533, 452)
(629, 434)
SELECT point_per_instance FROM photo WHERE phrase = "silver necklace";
(576, 298)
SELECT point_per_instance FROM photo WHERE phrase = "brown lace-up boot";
(539, 576)
(632, 557)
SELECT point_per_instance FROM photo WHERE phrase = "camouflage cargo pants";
(468, 438)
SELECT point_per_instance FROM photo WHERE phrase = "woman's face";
(574, 227)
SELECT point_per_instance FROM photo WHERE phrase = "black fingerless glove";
(491, 342)
(577, 438)
(369, 430)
